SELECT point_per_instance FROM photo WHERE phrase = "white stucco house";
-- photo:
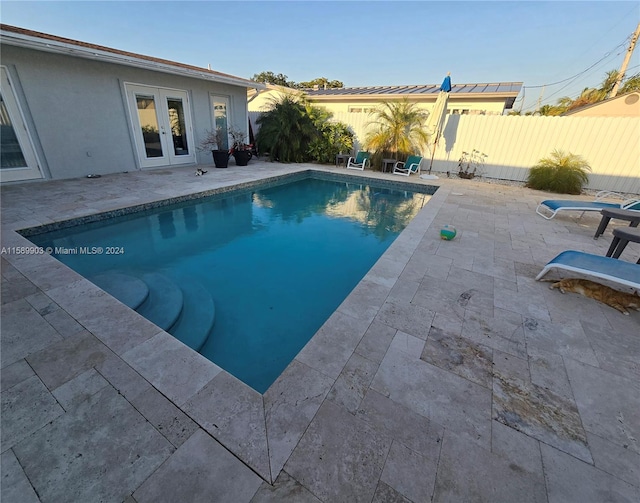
(464, 99)
(623, 105)
(72, 108)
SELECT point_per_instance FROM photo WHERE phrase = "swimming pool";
(246, 277)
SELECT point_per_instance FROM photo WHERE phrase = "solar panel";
(482, 88)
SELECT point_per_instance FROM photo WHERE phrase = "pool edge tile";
(233, 414)
(171, 367)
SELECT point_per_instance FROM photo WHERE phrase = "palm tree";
(593, 95)
(399, 129)
(286, 130)
(631, 84)
(551, 110)
(590, 95)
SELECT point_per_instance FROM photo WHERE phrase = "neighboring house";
(625, 105)
(472, 99)
(72, 108)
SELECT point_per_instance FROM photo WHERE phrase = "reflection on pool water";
(246, 277)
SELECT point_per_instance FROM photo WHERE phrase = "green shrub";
(286, 131)
(295, 131)
(335, 137)
(561, 172)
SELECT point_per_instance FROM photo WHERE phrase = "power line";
(558, 91)
(605, 34)
(570, 80)
(565, 86)
(583, 71)
(621, 44)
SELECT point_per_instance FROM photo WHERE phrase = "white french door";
(18, 159)
(162, 125)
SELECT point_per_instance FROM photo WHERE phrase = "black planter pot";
(242, 157)
(220, 158)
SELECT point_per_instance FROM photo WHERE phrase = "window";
(358, 110)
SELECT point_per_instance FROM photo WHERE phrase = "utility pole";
(540, 99)
(625, 63)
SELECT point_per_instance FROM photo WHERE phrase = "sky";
(556, 48)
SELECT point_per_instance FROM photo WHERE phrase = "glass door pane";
(148, 118)
(178, 126)
(18, 159)
(220, 118)
(10, 152)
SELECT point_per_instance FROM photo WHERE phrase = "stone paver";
(200, 470)
(339, 458)
(81, 456)
(233, 413)
(468, 472)
(448, 374)
(15, 485)
(26, 407)
(570, 480)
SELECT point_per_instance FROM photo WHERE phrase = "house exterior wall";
(620, 106)
(487, 105)
(459, 105)
(78, 112)
(262, 102)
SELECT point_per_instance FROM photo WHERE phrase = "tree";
(321, 82)
(282, 80)
(400, 129)
(334, 137)
(591, 95)
(286, 131)
(272, 78)
(630, 84)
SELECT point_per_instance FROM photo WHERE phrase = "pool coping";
(262, 430)
(219, 191)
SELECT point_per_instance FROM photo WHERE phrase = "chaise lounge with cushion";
(607, 268)
(602, 201)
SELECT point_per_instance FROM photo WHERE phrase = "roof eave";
(53, 46)
(416, 96)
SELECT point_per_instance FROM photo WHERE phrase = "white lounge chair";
(607, 268)
(411, 165)
(599, 203)
(360, 161)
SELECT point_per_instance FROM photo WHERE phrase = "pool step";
(197, 318)
(128, 289)
(164, 303)
(182, 307)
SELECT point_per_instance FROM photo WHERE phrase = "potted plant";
(240, 150)
(213, 141)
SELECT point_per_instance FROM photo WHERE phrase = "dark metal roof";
(499, 88)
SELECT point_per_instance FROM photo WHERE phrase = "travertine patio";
(448, 374)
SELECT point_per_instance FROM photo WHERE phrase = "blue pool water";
(275, 262)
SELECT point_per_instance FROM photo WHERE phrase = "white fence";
(611, 145)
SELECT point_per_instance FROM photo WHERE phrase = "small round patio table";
(632, 216)
(341, 159)
(621, 238)
(388, 164)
